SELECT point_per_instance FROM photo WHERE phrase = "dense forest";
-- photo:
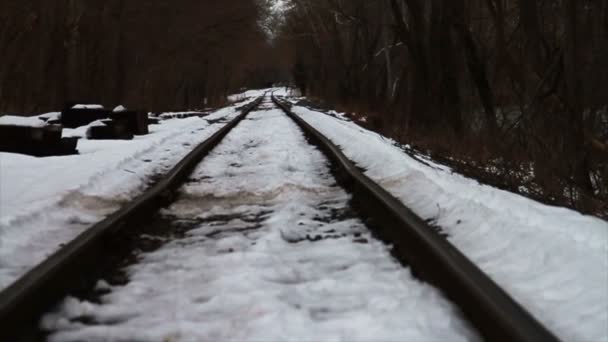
(511, 91)
(152, 54)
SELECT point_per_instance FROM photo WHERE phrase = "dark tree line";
(154, 54)
(515, 91)
(518, 85)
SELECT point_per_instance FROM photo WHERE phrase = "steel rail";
(24, 301)
(496, 315)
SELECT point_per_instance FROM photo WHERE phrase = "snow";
(248, 93)
(87, 106)
(175, 115)
(278, 91)
(284, 91)
(80, 132)
(276, 255)
(120, 109)
(22, 121)
(46, 202)
(554, 261)
(52, 116)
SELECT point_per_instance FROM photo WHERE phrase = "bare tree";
(517, 83)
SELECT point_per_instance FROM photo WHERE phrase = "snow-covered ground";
(275, 255)
(554, 261)
(174, 115)
(87, 106)
(278, 91)
(254, 280)
(45, 202)
(10, 120)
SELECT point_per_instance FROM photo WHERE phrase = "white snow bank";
(22, 121)
(249, 273)
(176, 115)
(46, 202)
(552, 260)
(278, 91)
(97, 123)
(246, 94)
(52, 116)
(80, 132)
(88, 106)
(284, 91)
(120, 109)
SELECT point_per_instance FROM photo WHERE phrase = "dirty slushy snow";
(275, 254)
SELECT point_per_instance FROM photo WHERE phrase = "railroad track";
(261, 199)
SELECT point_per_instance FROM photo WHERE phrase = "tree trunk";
(574, 132)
